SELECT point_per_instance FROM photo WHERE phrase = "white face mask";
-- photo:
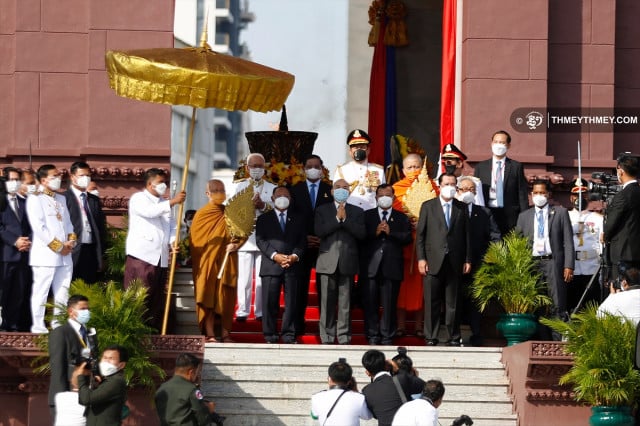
(466, 197)
(313, 174)
(281, 203)
(498, 149)
(12, 186)
(385, 202)
(95, 192)
(107, 369)
(160, 188)
(54, 183)
(539, 200)
(83, 181)
(31, 189)
(83, 316)
(256, 173)
(448, 192)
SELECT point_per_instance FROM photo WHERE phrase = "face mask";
(83, 181)
(313, 174)
(539, 200)
(189, 222)
(577, 205)
(83, 316)
(413, 175)
(54, 183)
(340, 195)
(160, 188)
(448, 192)
(450, 168)
(360, 155)
(466, 197)
(12, 186)
(95, 192)
(385, 202)
(31, 189)
(256, 174)
(281, 203)
(498, 149)
(107, 369)
(218, 198)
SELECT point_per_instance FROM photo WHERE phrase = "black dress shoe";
(258, 318)
(455, 342)
(241, 319)
(432, 342)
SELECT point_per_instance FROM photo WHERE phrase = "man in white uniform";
(363, 177)
(249, 255)
(52, 243)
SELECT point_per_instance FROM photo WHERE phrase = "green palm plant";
(510, 275)
(115, 254)
(603, 349)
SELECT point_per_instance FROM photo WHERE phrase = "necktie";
(312, 195)
(16, 208)
(499, 188)
(384, 215)
(447, 214)
(282, 224)
(540, 224)
(83, 333)
(85, 205)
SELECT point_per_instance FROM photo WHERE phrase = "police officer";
(587, 233)
(453, 161)
(363, 177)
(179, 401)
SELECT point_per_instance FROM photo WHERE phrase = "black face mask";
(584, 203)
(360, 155)
(449, 168)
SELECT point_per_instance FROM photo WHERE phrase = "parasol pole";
(176, 241)
(579, 177)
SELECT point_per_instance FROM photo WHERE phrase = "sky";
(307, 38)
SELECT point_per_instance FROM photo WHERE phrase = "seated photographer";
(341, 404)
(105, 402)
(179, 400)
(411, 384)
(422, 411)
(624, 297)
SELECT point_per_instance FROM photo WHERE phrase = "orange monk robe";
(209, 239)
(410, 296)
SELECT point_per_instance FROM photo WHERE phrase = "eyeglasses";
(466, 189)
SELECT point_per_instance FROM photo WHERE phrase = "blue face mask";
(83, 316)
(340, 195)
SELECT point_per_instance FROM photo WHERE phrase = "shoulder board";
(376, 165)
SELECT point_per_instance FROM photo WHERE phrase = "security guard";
(453, 162)
(179, 401)
(363, 177)
(587, 233)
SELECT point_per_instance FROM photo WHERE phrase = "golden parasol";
(240, 217)
(201, 78)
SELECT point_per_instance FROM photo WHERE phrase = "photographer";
(411, 384)
(384, 395)
(422, 411)
(341, 404)
(622, 224)
(624, 299)
(179, 400)
(105, 402)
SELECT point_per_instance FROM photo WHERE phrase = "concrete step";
(262, 384)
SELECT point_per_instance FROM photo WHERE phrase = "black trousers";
(86, 268)
(271, 286)
(15, 296)
(307, 263)
(444, 286)
(380, 291)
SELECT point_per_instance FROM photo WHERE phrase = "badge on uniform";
(199, 394)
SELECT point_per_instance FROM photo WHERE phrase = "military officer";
(453, 160)
(53, 241)
(363, 177)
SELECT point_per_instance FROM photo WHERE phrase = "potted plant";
(603, 373)
(510, 276)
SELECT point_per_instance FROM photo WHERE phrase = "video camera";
(607, 186)
(90, 355)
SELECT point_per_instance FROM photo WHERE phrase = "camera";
(606, 187)
(462, 420)
(216, 419)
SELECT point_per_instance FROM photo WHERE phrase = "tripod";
(602, 273)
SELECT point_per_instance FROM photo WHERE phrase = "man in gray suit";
(339, 226)
(551, 235)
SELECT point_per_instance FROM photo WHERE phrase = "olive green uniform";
(180, 402)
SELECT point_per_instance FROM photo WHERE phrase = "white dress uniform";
(418, 412)
(586, 240)
(249, 255)
(51, 226)
(151, 228)
(363, 178)
(347, 412)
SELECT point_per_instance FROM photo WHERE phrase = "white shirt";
(389, 210)
(493, 202)
(69, 412)
(625, 304)
(418, 412)
(85, 237)
(541, 245)
(347, 412)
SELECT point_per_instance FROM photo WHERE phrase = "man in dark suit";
(483, 230)
(388, 231)
(281, 237)
(503, 183)
(443, 250)
(551, 235)
(622, 223)
(15, 272)
(381, 395)
(67, 344)
(306, 196)
(89, 224)
(340, 227)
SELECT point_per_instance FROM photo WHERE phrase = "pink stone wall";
(55, 92)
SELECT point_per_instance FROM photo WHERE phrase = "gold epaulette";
(55, 245)
(353, 185)
(48, 192)
(72, 237)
